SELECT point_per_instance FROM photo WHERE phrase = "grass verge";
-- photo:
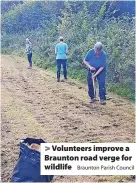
(77, 74)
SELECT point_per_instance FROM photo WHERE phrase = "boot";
(102, 102)
(93, 100)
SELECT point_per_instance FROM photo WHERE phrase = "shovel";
(94, 85)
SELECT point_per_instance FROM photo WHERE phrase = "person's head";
(98, 47)
(61, 39)
(27, 40)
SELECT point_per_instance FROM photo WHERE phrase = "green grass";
(124, 92)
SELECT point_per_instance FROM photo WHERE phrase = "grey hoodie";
(28, 48)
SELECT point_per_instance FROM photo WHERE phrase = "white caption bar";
(88, 159)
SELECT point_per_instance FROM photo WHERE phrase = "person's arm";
(27, 49)
(89, 66)
(86, 61)
(66, 49)
(55, 50)
(99, 70)
(30, 47)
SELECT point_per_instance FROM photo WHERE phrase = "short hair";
(61, 38)
(27, 39)
(98, 46)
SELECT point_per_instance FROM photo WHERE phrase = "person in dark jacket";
(95, 60)
(28, 50)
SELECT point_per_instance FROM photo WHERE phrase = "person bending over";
(95, 60)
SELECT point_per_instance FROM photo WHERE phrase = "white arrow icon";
(47, 148)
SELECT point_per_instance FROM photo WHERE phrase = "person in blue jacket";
(95, 60)
(61, 51)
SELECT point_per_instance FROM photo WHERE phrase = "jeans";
(62, 62)
(101, 81)
(29, 57)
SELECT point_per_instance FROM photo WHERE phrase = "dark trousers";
(101, 81)
(62, 62)
(29, 57)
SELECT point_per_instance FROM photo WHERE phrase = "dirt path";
(35, 105)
